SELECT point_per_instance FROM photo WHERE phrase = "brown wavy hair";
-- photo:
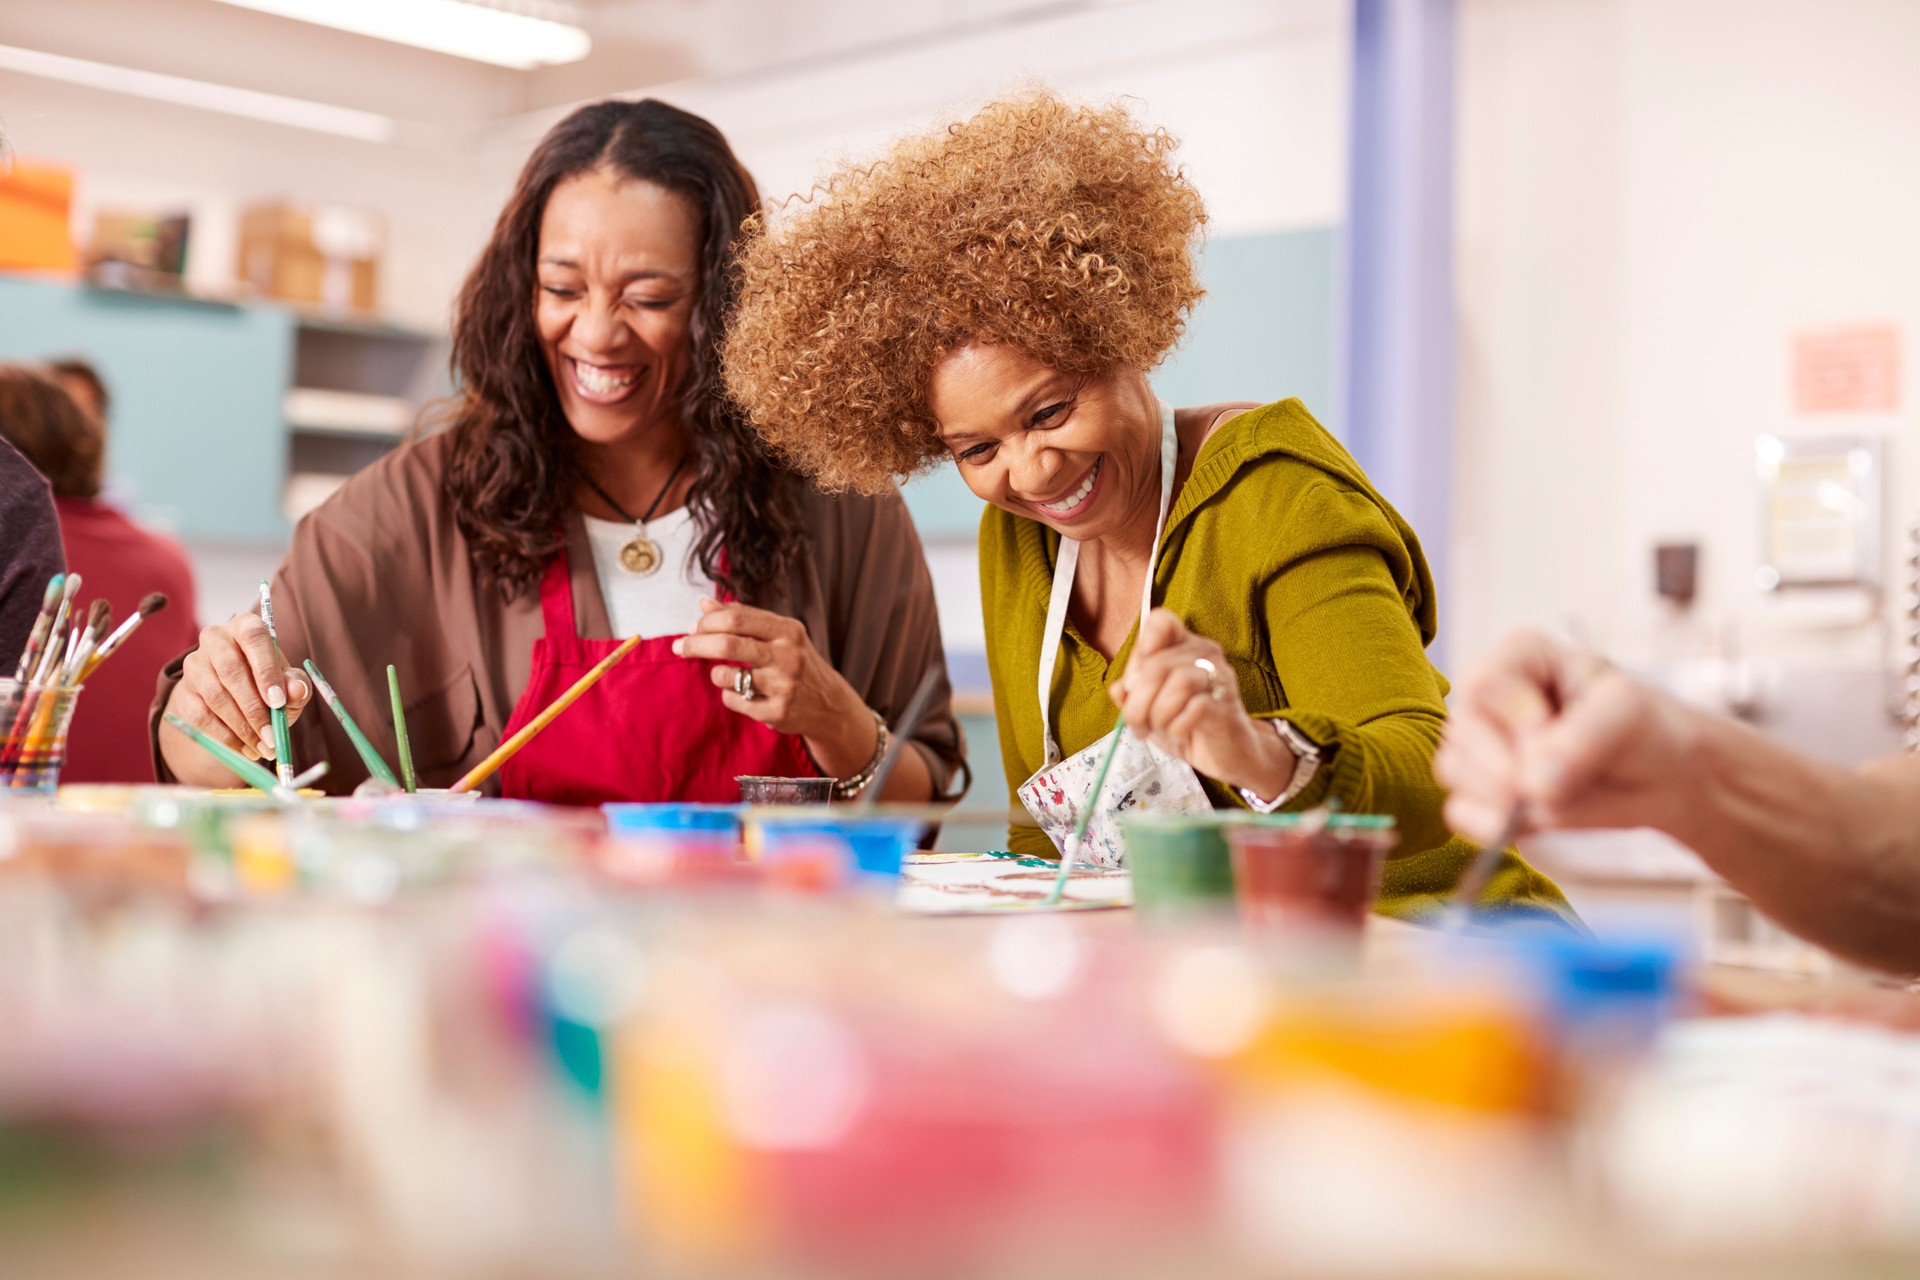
(51, 431)
(513, 466)
(1061, 230)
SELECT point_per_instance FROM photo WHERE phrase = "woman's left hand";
(1179, 693)
(795, 689)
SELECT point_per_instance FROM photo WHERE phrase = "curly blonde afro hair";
(1063, 231)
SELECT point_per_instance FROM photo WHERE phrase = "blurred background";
(1612, 297)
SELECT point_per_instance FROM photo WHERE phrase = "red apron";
(652, 729)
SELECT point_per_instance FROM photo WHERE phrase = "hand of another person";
(795, 689)
(230, 681)
(1566, 737)
(1194, 711)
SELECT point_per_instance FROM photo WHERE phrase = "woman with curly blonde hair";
(997, 293)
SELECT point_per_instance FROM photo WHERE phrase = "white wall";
(1256, 90)
(1654, 195)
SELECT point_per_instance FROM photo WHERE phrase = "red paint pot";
(1311, 872)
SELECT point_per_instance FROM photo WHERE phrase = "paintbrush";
(1473, 881)
(18, 736)
(505, 751)
(30, 656)
(368, 756)
(81, 647)
(902, 730)
(407, 779)
(57, 634)
(277, 716)
(43, 703)
(250, 772)
(1074, 841)
(149, 605)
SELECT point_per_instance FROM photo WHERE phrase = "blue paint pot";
(719, 822)
(875, 846)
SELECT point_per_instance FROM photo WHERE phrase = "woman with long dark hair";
(594, 484)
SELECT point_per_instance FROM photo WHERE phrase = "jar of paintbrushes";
(36, 704)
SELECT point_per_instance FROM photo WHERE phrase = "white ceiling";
(637, 44)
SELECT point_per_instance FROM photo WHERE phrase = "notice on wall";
(1847, 369)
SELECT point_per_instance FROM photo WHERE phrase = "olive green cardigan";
(1279, 550)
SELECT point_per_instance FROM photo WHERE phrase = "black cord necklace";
(641, 555)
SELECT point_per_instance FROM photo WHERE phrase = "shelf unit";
(201, 439)
(357, 393)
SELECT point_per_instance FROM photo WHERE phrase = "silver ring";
(743, 683)
(1212, 673)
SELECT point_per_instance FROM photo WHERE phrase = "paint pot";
(756, 790)
(716, 822)
(1178, 862)
(1312, 872)
(874, 847)
(669, 845)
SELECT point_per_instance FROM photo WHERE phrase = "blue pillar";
(1397, 332)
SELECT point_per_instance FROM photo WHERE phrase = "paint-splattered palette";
(975, 883)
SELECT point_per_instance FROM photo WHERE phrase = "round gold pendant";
(641, 555)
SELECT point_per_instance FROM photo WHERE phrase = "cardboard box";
(36, 212)
(153, 242)
(321, 255)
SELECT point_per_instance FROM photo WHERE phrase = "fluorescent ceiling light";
(522, 35)
(299, 113)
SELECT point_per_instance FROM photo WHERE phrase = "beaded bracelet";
(848, 788)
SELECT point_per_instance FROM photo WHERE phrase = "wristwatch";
(1307, 755)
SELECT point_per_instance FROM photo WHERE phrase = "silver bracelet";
(848, 788)
(1306, 763)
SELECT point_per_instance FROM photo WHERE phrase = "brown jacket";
(381, 574)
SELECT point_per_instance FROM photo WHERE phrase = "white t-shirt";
(665, 602)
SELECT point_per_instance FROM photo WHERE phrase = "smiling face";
(618, 274)
(1079, 454)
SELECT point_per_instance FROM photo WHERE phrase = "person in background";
(994, 295)
(1831, 853)
(594, 484)
(29, 551)
(89, 390)
(118, 561)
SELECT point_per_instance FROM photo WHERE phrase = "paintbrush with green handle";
(368, 756)
(400, 731)
(282, 739)
(1071, 853)
(252, 773)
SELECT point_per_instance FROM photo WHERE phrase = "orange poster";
(1847, 369)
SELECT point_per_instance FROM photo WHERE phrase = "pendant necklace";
(641, 555)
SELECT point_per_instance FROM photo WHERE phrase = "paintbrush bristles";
(30, 656)
(85, 642)
(57, 637)
(149, 605)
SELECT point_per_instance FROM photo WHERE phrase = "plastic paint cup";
(1309, 872)
(757, 790)
(719, 823)
(1178, 862)
(875, 846)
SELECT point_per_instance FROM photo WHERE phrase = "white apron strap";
(1065, 565)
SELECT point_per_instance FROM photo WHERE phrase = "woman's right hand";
(226, 687)
(1566, 739)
